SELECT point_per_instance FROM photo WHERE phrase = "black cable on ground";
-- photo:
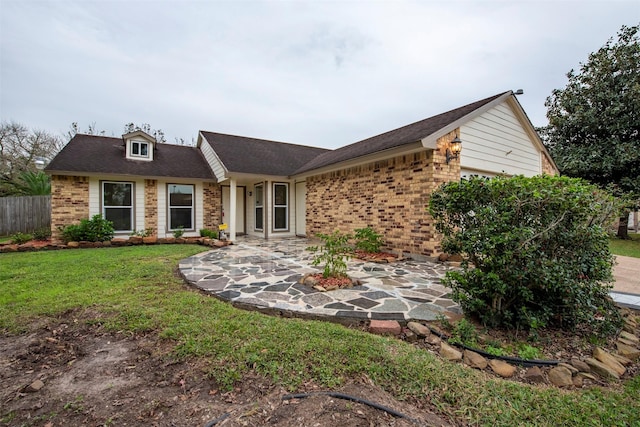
(217, 420)
(527, 363)
(353, 399)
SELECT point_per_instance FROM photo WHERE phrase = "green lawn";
(134, 289)
(626, 247)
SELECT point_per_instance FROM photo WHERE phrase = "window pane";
(259, 195)
(280, 218)
(280, 194)
(259, 219)
(180, 195)
(135, 148)
(144, 149)
(121, 218)
(116, 194)
(180, 217)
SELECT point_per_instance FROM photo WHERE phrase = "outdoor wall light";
(455, 147)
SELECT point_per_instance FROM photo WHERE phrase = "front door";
(239, 208)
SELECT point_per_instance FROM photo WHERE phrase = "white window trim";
(140, 144)
(131, 207)
(256, 206)
(193, 207)
(286, 185)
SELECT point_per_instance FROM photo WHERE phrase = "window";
(259, 190)
(139, 149)
(280, 206)
(180, 206)
(117, 204)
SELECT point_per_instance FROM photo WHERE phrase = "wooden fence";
(24, 214)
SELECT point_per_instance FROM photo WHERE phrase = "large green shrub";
(334, 254)
(535, 251)
(96, 229)
(368, 240)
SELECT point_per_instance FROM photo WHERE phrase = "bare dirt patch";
(69, 371)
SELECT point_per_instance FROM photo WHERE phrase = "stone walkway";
(264, 274)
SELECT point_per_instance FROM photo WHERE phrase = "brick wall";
(390, 195)
(151, 205)
(212, 195)
(69, 201)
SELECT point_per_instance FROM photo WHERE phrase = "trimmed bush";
(96, 229)
(205, 232)
(535, 251)
(20, 238)
(368, 240)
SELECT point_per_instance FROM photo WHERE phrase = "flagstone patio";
(264, 274)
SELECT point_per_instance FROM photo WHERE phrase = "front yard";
(132, 295)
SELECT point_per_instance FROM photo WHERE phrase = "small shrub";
(42, 234)
(464, 332)
(178, 232)
(368, 240)
(211, 234)
(96, 229)
(333, 254)
(20, 238)
(495, 351)
(527, 352)
(147, 232)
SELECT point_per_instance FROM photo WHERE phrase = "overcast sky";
(322, 73)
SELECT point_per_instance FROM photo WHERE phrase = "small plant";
(20, 238)
(495, 351)
(178, 232)
(211, 234)
(96, 229)
(527, 352)
(464, 332)
(334, 254)
(368, 240)
(147, 232)
(42, 233)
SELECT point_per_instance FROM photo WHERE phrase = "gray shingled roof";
(106, 155)
(258, 156)
(395, 138)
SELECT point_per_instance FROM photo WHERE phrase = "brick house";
(273, 189)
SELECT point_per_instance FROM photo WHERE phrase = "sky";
(319, 73)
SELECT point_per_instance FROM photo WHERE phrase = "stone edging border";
(115, 242)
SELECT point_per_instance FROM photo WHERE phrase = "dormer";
(139, 145)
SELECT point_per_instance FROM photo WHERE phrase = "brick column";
(212, 195)
(151, 205)
(69, 202)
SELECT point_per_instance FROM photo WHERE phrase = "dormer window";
(139, 149)
(139, 145)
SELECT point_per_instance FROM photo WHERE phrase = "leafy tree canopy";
(594, 122)
(22, 151)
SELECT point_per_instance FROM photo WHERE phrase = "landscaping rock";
(561, 376)
(630, 337)
(502, 368)
(135, 240)
(150, 240)
(450, 353)
(385, 327)
(409, 335)
(601, 369)
(34, 387)
(628, 351)
(622, 360)
(534, 375)
(118, 241)
(580, 365)
(419, 329)
(433, 340)
(73, 244)
(609, 360)
(627, 342)
(629, 328)
(573, 369)
(474, 360)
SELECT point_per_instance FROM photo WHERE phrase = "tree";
(594, 122)
(158, 134)
(20, 149)
(33, 183)
(535, 251)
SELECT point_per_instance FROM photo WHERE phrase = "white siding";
(94, 197)
(138, 187)
(162, 209)
(497, 142)
(212, 159)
